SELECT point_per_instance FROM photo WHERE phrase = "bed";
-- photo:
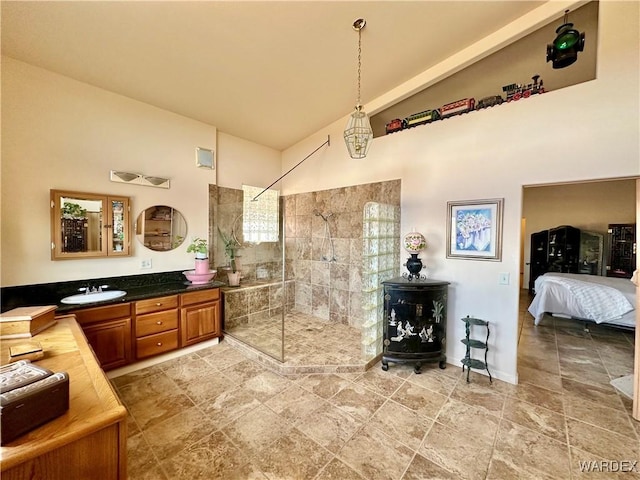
(585, 297)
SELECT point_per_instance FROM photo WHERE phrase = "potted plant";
(200, 248)
(230, 247)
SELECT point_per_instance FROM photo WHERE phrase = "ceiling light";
(568, 42)
(358, 133)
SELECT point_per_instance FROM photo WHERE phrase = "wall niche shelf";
(516, 63)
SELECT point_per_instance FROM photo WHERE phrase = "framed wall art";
(474, 229)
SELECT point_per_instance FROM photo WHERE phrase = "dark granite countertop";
(138, 287)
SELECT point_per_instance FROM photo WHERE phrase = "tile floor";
(217, 414)
(340, 352)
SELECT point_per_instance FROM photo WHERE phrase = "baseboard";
(118, 372)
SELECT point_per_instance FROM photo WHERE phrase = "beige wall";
(588, 206)
(63, 134)
(588, 131)
(57, 133)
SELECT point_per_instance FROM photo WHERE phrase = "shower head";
(325, 216)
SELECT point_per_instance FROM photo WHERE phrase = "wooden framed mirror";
(88, 225)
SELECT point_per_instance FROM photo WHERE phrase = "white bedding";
(585, 297)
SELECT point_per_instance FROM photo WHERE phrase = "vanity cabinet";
(156, 326)
(199, 316)
(122, 333)
(89, 225)
(108, 331)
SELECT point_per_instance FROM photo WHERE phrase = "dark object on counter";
(31, 396)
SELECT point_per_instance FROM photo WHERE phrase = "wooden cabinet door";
(108, 330)
(111, 342)
(199, 322)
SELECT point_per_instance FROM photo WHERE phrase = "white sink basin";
(93, 297)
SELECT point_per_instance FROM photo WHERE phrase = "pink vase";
(202, 265)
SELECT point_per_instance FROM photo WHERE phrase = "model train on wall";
(513, 92)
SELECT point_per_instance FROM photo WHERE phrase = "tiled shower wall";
(331, 289)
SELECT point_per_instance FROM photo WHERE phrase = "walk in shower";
(310, 300)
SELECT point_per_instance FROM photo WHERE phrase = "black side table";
(415, 322)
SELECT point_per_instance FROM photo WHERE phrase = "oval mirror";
(161, 228)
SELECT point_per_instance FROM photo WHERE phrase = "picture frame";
(474, 229)
(205, 158)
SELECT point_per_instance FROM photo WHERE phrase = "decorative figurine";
(414, 243)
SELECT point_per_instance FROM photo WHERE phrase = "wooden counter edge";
(115, 411)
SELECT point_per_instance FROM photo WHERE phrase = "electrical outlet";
(146, 263)
(503, 279)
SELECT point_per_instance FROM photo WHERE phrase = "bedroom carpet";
(215, 414)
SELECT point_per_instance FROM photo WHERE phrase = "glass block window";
(260, 216)
(380, 235)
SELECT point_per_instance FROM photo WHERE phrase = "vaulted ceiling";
(271, 72)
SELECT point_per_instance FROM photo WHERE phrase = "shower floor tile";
(311, 345)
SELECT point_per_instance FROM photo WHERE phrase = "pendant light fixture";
(568, 42)
(358, 133)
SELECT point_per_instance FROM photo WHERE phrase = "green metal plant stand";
(468, 362)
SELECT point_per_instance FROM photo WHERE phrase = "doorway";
(589, 206)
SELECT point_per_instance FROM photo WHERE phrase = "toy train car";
(456, 108)
(512, 91)
(421, 118)
(394, 125)
(489, 101)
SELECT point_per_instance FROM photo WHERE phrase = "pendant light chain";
(358, 133)
(359, 63)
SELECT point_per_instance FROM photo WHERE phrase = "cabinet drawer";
(200, 296)
(98, 314)
(156, 323)
(156, 304)
(155, 344)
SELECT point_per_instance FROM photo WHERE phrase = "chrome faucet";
(92, 289)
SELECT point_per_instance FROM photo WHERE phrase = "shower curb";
(282, 368)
